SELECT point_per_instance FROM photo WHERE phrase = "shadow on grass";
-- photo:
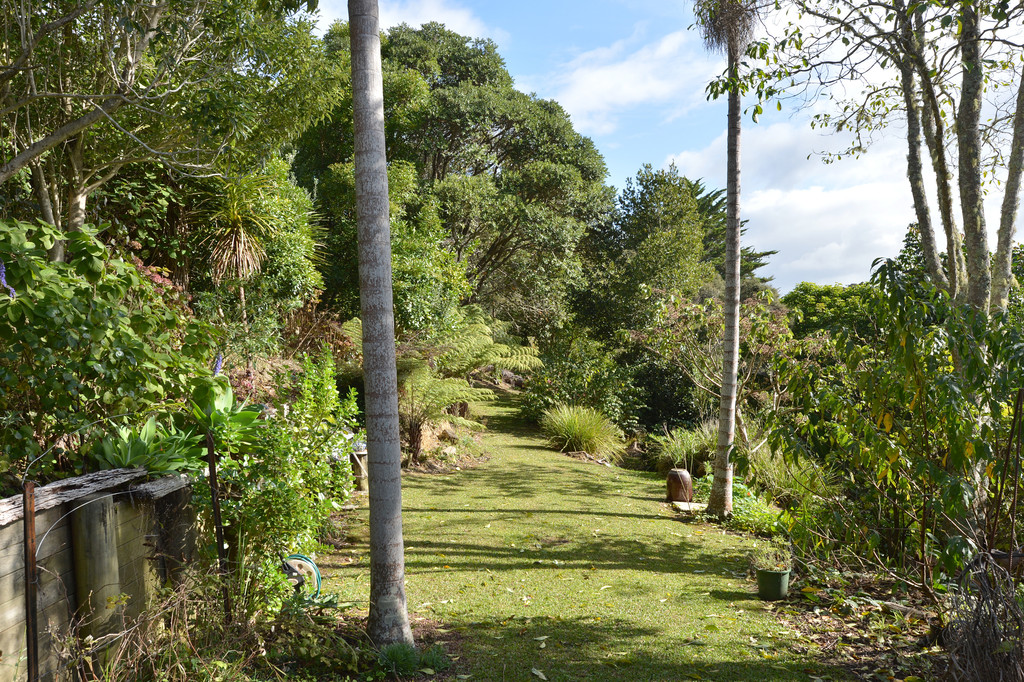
(550, 480)
(502, 416)
(733, 595)
(612, 650)
(601, 554)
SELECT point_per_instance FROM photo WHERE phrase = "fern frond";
(354, 330)
(425, 397)
(519, 359)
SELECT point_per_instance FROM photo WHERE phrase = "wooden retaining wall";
(105, 541)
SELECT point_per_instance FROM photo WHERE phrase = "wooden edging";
(56, 494)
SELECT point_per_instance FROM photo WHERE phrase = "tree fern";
(433, 377)
(423, 399)
(481, 342)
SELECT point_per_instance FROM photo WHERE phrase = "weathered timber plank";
(56, 568)
(53, 593)
(12, 642)
(69, 489)
(154, 490)
(13, 536)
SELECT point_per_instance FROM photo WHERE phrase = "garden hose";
(307, 568)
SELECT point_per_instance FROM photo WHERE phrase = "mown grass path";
(577, 571)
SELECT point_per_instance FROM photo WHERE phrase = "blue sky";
(632, 75)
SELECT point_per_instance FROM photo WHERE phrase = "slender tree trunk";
(388, 621)
(935, 137)
(720, 501)
(1001, 276)
(969, 142)
(42, 191)
(915, 168)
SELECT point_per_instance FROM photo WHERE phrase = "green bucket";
(772, 585)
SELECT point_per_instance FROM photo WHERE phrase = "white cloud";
(828, 222)
(598, 87)
(828, 234)
(418, 12)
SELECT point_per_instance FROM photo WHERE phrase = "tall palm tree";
(728, 25)
(389, 620)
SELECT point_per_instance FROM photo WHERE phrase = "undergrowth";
(750, 513)
(185, 637)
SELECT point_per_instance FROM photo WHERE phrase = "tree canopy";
(89, 88)
(514, 185)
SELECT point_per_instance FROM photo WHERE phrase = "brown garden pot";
(680, 486)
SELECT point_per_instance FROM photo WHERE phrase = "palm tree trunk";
(388, 620)
(720, 501)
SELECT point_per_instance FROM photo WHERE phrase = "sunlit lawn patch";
(546, 564)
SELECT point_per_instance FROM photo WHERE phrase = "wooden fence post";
(97, 570)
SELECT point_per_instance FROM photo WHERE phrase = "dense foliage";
(874, 420)
(283, 476)
(483, 177)
(84, 342)
(919, 421)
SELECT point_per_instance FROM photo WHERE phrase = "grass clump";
(691, 449)
(572, 428)
(399, 659)
(405, 660)
(789, 484)
(435, 658)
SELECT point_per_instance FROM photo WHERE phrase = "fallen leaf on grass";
(541, 638)
(539, 674)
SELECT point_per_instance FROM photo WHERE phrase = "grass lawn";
(542, 563)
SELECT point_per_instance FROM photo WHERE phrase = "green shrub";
(582, 372)
(750, 513)
(82, 341)
(572, 428)
(280, 487)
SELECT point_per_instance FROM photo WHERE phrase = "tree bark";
(42, 191)
(720, 501)
(968, 131)
(1001, 273)
(38, 148)
(388, 620)
(935, 137)
(915, 168)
